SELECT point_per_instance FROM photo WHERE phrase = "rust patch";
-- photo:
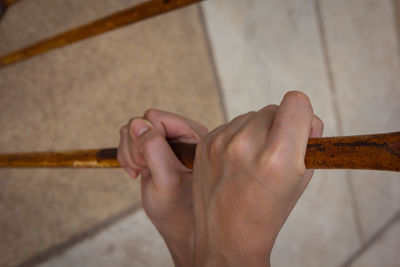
(316, 147)
(359, 144)
(395, 148)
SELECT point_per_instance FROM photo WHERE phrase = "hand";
(166, 183)
(248, 176)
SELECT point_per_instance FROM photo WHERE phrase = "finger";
(123, 154)
(317, 128)
(166, 122)
(218, 139)
(136, 128)
(176, 127)
(224, 133)
(122, 161)
(291, 128)
(253, 134)
(237, 123)
(161, 160)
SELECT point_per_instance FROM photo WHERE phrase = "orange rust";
(95, 158)
(372, 152)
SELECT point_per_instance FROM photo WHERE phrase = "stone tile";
(133, 241)
(321, 230)
(78, 97)
(384, 252)
(363, 48)
(263, 49)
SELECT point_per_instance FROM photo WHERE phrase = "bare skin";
(248, 175)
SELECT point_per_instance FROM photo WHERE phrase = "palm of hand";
(170, 207)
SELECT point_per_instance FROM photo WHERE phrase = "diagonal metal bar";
(122, 18)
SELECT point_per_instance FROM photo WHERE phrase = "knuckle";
(271, 107)
(216, 131)
(271, 164)
(250, 113)
(238, 146)
(215, 145)
(151, 114)
(299, 169)
(242, 117)
(273, 161)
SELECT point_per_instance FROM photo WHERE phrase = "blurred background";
(210, 62)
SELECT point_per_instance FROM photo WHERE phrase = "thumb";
(164, 166)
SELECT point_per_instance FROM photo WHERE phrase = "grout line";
(328, 67)
(339, 122)
(368, 244)
(213, 63)
(355, 208)
(89, 233)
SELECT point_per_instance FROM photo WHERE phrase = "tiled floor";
(131, 242)
(345, 55)
(383, 251)
(78, 97)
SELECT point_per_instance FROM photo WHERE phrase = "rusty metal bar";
(108, 23)
(372, 152)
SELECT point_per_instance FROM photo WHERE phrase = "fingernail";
(142, 127)
(141, 130)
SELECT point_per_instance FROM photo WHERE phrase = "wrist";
(222, 259)
(181, 251)
(177, 233)
(206, 254)
(179, 244)
(241, 252)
